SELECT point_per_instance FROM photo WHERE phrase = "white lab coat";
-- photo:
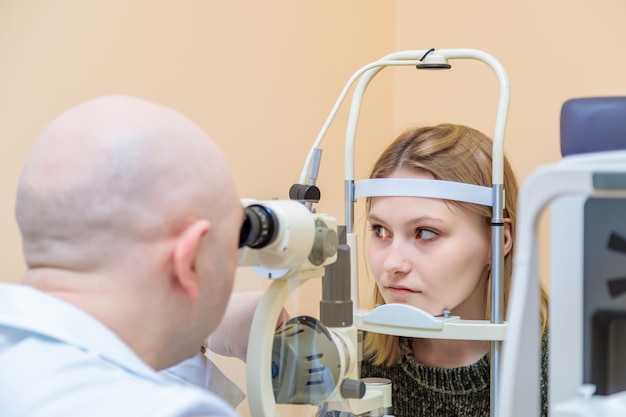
(56, 360)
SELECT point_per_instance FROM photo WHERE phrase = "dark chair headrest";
(593, 124)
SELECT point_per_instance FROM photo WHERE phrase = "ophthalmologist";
(130, 220)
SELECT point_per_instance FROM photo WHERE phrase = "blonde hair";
(448, 152)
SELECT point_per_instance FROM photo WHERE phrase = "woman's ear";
(508, 236)
(185, 253)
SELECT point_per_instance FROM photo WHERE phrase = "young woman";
(436, 255)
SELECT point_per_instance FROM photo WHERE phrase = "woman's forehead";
(406, 172)
(401, 206)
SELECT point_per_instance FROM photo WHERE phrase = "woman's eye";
(425, 234)
(380, 232)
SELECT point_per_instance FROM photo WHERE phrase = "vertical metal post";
(349, 192)
(336, 304)
(497, 294)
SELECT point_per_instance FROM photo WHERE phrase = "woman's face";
(429, 254)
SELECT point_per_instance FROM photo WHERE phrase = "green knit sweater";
(419, 390)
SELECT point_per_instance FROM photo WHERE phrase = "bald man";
(130, 223)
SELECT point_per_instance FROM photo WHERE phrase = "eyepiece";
(259, 228)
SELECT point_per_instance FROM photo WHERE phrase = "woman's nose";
(397, 259)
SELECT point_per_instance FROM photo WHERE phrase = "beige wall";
(552, 51)
(261, 78)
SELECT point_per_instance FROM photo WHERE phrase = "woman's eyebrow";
(373, 218)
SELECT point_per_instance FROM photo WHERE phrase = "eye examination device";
(315, 361)
(586, 195)
(278, 236)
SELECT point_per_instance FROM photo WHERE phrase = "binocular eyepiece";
(260, 227)
(284, 235)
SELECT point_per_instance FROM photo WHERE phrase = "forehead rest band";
(416, 187)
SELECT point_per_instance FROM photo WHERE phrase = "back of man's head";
(109, 184)
(114, 167)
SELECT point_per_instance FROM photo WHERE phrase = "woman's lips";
(401, 291)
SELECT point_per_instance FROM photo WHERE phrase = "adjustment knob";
(352, 388)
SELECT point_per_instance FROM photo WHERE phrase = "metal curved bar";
(374, 66)
(258, 372)
(404, 58)
(520, 367)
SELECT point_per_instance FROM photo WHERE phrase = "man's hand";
(231, 336)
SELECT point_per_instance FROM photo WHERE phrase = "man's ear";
(185, 251)
(508, 236)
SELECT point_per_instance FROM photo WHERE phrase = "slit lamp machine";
(316, 361)
(313, 361)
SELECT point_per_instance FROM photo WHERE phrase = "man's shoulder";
(63, 380)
